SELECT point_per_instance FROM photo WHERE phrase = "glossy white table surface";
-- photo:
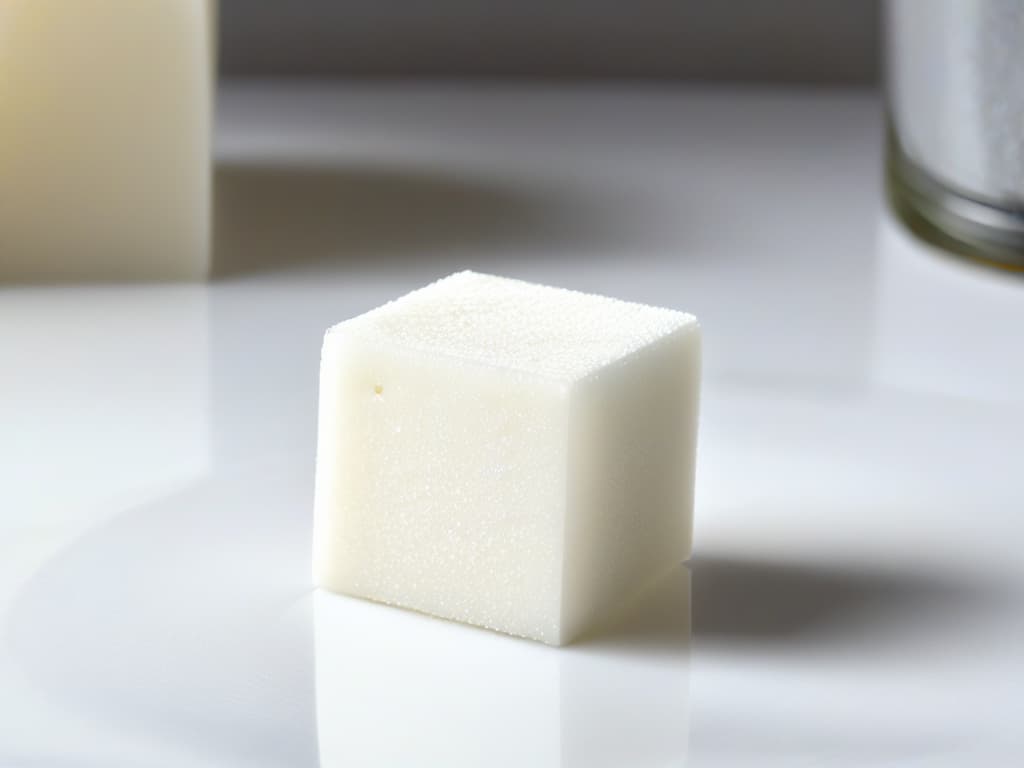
(858, 584)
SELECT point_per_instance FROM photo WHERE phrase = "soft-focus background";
(796, 41)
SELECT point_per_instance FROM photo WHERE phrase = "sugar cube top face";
(547, 332)
(505, 454)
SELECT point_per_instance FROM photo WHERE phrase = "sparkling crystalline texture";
(505, 454)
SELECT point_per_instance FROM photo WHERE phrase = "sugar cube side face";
(105, 139)
(507, 455)
(441, 486)
(632, 452)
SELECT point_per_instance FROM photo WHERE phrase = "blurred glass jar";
(955, 71)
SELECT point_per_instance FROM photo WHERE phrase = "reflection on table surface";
(398, 688)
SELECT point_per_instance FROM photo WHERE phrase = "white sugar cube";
(506, 454)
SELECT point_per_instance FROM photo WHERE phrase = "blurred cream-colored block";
(105, 125)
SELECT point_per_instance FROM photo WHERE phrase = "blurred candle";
(105, 123)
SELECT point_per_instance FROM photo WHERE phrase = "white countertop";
(857, 593)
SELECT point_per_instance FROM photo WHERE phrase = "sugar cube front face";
(506, 454)
(105, 123)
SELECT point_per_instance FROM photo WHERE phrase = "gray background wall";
(814, 41)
